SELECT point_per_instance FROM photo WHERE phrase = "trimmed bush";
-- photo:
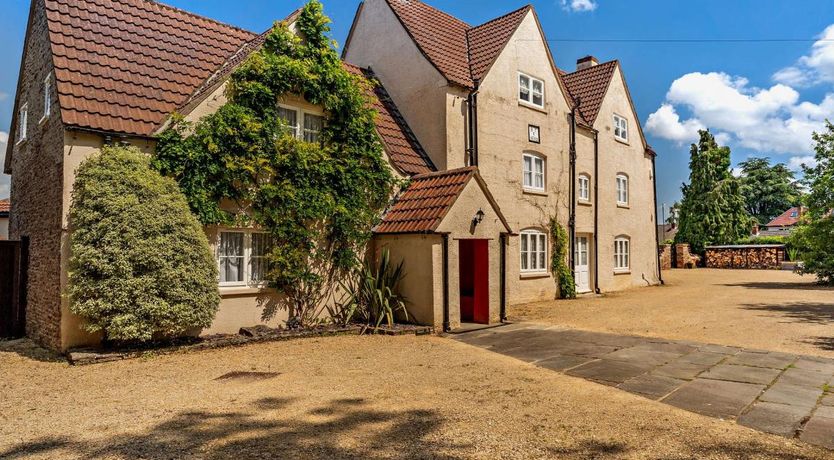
(141, 267)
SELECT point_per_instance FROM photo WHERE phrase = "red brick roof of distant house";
(788, 218)
(5, 207)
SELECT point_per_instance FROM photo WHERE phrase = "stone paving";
(777, 393)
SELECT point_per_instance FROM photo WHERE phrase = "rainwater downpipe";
(572, 217)
(503, 277)
(656, 231)
(446, 324)
(596, 212)
(472, 126)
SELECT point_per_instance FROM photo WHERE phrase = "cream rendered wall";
(503, 138)
(422, 286)
(380, 42)
(585, 209)
(458, 224)
(636, 221)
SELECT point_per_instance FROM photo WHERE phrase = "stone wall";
(683, 257)
(665, 256)
(745, 257)
(37, 181)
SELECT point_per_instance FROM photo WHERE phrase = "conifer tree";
(713, 208)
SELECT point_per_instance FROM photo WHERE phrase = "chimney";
(586, 62)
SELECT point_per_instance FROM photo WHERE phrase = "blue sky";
(761, 97)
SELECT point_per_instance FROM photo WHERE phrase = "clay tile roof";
(5, 206)
(125, 65)
(401, 145)
(440, 36)
(589, 86)
(425, 202)
(488, 40)
(786, 219)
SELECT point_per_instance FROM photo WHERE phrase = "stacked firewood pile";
(745, 256)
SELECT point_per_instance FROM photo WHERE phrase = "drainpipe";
(503, 278)
(446, 325)
(596, 212)
(572, 218)
(472, 128)
(656, 233)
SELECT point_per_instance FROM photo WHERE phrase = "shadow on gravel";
(27, 348)
(780, 286)
(808, 312)
(339, 429)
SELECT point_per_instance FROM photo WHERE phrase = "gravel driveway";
(763, 309)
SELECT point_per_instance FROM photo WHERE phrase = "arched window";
(622, 189)
(584, 187)
(622, 254)
(533, 251)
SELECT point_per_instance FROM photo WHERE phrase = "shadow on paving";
(776, 285)
(808, 312)
(266, 433)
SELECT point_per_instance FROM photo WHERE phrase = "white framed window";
(242, 257)
(533, 172)
(293, 118)
(22, 123)
(584, 187)
(533, 251)
(620, 128)
(622, 189)
(530, 90)
(622, 254)
(47, 99)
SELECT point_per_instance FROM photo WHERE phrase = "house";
(548, 144)
(472, 225)
(5, 207)
(782, 225)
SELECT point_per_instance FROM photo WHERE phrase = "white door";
(582, 270)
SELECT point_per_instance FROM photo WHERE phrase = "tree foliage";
(558, 263)
(141, 265)
(712, 210)
(768, 189)
(814, 239)
(318, 200)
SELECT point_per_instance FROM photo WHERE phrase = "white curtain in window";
(231, 257)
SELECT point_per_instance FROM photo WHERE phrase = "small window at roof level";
(47, 99)
(794, 214)
(530, 90)
(312, 127)
(620, 128)
(22, 123)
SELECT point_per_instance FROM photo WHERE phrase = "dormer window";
(310, 131)
(620, 128)
(530, 90)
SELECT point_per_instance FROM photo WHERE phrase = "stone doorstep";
(767, 360)
(716, 398)
(784, 420)
(742, 374)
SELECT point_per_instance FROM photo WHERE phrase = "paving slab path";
(779, 393)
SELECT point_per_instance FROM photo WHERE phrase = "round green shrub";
(141, 267)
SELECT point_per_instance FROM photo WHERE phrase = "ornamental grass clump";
(141, 267)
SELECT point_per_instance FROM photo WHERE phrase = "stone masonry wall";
(36, 191)
(665, 256)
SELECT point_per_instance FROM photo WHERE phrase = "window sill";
(622, 272)
(230, 291)
(621, 141)
(532, 191)
(534, 275)
(584, 203)
(43, 120)
(21, 141)
(623, 206)
(532, 107)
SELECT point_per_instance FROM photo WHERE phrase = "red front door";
(474, 281)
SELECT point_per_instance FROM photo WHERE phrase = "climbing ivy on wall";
(319, 201)
(558, 263)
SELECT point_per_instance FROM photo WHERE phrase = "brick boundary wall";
(665, 256)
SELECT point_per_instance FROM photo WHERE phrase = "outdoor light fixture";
(479, 217)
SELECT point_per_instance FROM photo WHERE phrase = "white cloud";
(579, 5)
(771, 120)
(5, 181)
(3, 96)
(795, 163)
(814, 68)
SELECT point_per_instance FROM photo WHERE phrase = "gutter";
(596, 212)
(446, 323)
(656, 231)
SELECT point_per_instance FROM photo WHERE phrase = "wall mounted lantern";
(479, 217)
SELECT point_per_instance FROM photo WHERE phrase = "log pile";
(745, 256)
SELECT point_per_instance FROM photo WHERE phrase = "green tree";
(712, 209)
(815, 236)
(141, 265)
(318, 200)
(768, 190)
